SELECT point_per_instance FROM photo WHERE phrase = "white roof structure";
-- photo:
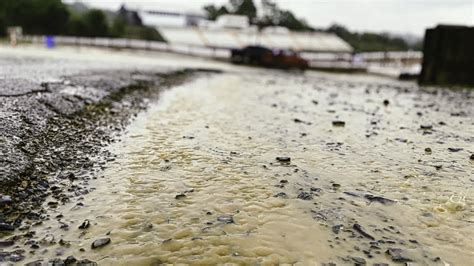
(167, 21)
(238, 38)
(232, 22)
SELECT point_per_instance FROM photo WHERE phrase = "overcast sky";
(397, 16)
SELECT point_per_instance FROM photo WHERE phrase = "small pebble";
(338, 123)
(100, 242)
(283, 159)
(180, 196)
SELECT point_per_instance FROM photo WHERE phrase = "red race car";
(261, 56)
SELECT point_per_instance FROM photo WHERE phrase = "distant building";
(160, 18)
(225, 38)
(130, 16)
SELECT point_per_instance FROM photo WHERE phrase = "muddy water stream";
(196, 180)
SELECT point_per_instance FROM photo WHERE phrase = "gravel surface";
(372, 170)
(57, 113)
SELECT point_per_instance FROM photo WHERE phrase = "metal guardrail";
(119, 43)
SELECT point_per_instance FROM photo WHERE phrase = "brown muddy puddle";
(195, 180)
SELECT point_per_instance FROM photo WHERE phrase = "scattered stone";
(16, 257)
(358, 261)
(338, 123)
(6, 243)
(283, 159)
(305, 196)
(398, 255)
(402, 140)
(281, 195)
(53, 204)
(6, 227)
(64, 226)
(100, 242)
(227, 219)
(337, 228)
(472, 156)
(35, 263)
(315, 189)
(283, 181)
(56, 262)
(462, 113)
(379, 199)
(455, 149)
(315, 102)
(69, 260)
(85, 224)
(428, 150)
(86, 262)
(62, 242)
(359, 229)
(352, 194)
(426, 127)
(386, 102)
(5, 200)
(336, 186)
(299, 121)
(180, 196)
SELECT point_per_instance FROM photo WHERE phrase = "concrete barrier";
(448, 56)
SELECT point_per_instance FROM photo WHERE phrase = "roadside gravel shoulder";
(52, 134)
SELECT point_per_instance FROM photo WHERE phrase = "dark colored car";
(261, 56)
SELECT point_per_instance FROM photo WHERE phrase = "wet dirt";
(274, 168)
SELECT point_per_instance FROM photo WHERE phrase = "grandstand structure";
(225, 38)
(233, 31)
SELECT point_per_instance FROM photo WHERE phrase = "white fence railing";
(209, 52)
(396, 60)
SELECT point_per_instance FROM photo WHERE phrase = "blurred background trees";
(366, 42)
(57, 18)
(52, 17)
(34, 16)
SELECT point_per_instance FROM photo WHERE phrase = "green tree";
(214, 12)
(118, 26)
(142, 33)
(35, 16)
(2, 18)
(96, 23)
(76, 26)
(368, 42)
(274, 16)
(244, 8)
